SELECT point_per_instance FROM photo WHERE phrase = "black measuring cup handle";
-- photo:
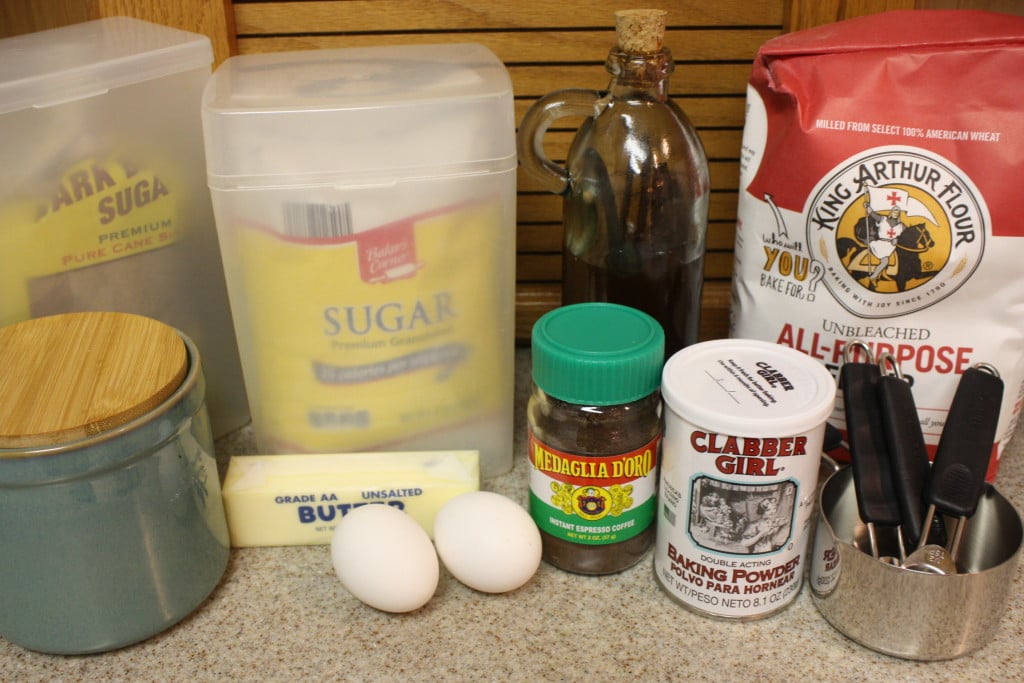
(869, 456)
(965, 447)
(908, 454)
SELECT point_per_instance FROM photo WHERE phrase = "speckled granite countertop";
(280, 614)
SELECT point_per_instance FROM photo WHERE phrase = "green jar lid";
(597, 354)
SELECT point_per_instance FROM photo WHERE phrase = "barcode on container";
(317, 221)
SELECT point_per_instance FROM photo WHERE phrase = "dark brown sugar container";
(595, 429)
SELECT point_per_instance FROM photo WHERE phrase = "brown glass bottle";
(595, 428)
(635, 186)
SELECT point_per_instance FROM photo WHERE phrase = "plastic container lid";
(597, 354)
(746, 387)
(84, 60)
(358, 116)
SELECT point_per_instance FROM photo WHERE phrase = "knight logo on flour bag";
(882, 166)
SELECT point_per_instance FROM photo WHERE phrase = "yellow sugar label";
(95, 212)
(354, 341)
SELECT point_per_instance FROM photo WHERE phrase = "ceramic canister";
(744, 426)
(112, 526)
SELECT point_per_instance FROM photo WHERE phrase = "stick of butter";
(299, 499)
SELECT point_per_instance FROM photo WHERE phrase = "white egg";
(487, 541)
(384, 558)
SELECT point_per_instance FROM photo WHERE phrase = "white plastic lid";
(368, 115)
(83, 60)
(744, 387)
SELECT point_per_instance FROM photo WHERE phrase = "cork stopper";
(640, 31)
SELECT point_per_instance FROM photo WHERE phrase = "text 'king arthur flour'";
(881, 200)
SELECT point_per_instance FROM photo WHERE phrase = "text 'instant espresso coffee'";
(744, 427)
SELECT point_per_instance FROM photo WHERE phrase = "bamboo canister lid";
(70, 376)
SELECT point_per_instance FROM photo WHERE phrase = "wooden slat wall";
(801, 14)
(548, 46)
(211, 18)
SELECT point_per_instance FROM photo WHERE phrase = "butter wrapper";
(275, 500)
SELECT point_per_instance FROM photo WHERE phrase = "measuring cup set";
(910, 558)
(897, 490)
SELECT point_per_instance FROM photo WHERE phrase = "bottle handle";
(545, 111)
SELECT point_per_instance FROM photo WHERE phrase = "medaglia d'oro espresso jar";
(112, 526)
(744, 426)
(595, 428)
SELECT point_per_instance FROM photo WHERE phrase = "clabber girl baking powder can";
(744, 425)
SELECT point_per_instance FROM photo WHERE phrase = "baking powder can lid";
(745, 386)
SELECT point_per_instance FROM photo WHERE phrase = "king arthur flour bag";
(880, 200)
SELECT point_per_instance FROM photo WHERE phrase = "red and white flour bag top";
(881, 200)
